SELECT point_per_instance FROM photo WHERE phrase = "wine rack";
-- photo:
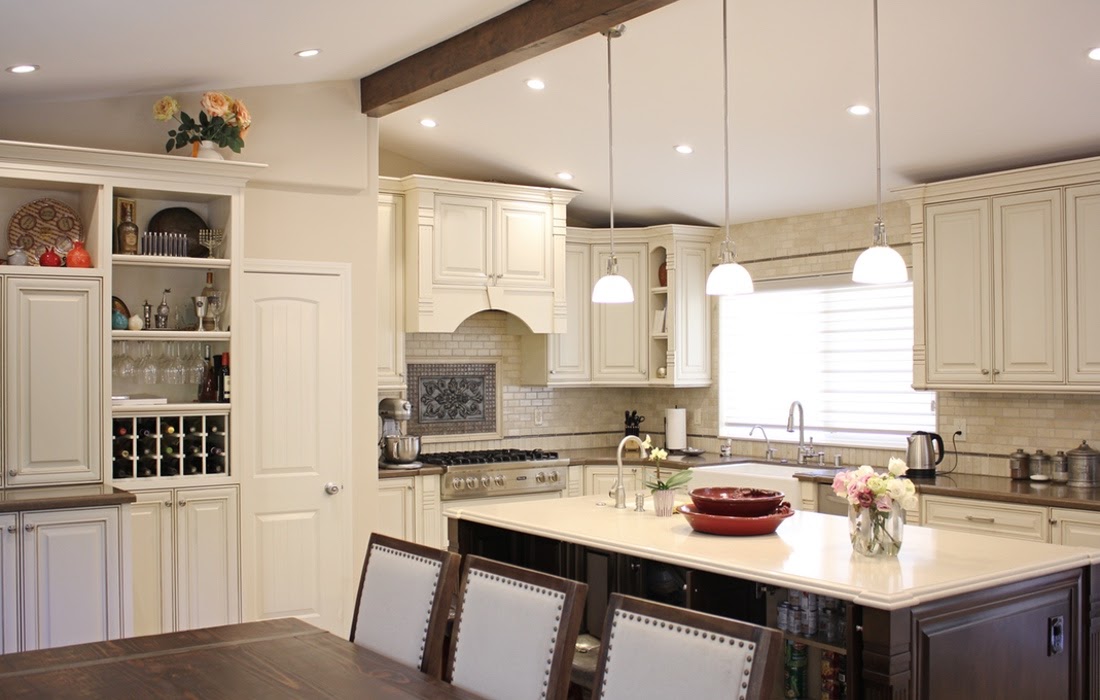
(153, 445)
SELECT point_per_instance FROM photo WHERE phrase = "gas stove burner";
(476, 457)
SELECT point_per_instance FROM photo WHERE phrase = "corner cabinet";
(475, 246)
(1003, 296)
(390, 286)
(662, 339)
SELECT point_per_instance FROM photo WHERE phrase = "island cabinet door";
(9, 583)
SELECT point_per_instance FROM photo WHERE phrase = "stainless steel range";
(492, 473)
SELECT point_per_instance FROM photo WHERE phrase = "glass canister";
(1061, 467)
(1018, 464)
(1084, 465)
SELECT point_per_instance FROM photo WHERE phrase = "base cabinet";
(1078, 528)
(185, 559)
(397, 508)
(600, 480)
(61, 582)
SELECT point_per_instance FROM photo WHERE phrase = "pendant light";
(879, 264)
(612, 288)
(728, 277)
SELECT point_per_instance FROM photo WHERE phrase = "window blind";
(845, 352)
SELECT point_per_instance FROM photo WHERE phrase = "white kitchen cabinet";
(185, 559)
(683, 348)
(1078, 528)
(396, 515)
(473, 246)
(620, 332)
(1025, 522)
(1082, 283)
(389, 284)
(71, 583)
(599, 480)
(53, 398)
(9, 583)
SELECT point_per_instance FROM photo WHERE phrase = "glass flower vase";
(662, 502)
(876, 533)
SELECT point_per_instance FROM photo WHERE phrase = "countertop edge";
(41, 498)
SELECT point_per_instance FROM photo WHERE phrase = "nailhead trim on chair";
(719, 638)
(435, 564)
(527, 587)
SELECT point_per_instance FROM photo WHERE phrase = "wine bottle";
(122, 430)
(224, 383)
(207, 319)
(167, 428)
(193, 465)
(217, 377)
(122, 453)
(208, 389)
(215, 451)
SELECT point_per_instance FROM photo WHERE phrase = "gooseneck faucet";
(769, 452)
(619, 489)
(803, 451)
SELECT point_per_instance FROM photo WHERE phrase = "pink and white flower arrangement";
(222, 119)
(865, 488)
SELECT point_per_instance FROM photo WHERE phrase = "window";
(845, 351)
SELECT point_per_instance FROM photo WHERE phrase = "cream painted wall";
(315, 201)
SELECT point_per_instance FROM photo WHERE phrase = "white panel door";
(207, 580)
(462, 241)
(570, 352)
(1082, 283)
(599, 481)
(957, 293)
(621, 331)
(296, 418)
(9, 583)
(71, 586)
(1077, 528)
(523, 244)
(390, 286)
(397, 508)
(691, 322)
(52, 367)
(152, 560)
(1028, 283)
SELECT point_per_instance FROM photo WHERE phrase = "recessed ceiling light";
(428, 123)
(307, 53)
(685, 149)
(565, 176)
(859, 110)
(22, 68)
(535, 84)
(1094, 54)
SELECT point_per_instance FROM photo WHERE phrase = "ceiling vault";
(531, 29)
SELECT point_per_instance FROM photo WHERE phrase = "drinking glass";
(173, 371)
(147, 370)
(124, 365)
(196, 367)
(215, 306)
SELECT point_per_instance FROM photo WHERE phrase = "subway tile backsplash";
(804, 245)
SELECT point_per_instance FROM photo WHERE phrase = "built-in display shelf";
(168, 261)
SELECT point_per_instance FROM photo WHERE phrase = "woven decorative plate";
(44, 223)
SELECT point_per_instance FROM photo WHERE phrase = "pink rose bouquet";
(222, 119)
(872, 497)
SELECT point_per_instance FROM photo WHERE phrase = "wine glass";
(147, 370)
(173, 371)
(196, 367)
(215, 306)
(124, 366)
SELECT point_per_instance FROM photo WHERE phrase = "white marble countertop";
(810, 551)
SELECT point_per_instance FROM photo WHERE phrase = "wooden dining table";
(285, 658)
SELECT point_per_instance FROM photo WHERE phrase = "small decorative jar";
(17, 256)
(662, 502)
(50, 258)
(876, 533)
(78, 256)
(662, 274)
(1019, 464)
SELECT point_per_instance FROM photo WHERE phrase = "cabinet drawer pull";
(977, 519)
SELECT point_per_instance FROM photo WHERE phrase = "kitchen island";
(954, 615)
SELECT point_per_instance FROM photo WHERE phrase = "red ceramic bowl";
(733, 525)
(735, 500)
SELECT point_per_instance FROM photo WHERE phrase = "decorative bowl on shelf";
(734, 525)
(736, 500)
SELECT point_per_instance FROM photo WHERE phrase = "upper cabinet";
(390, 284)
(1003, 298)
(662, 339)
(473, 246)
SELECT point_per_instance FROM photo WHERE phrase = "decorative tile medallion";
(452, 398)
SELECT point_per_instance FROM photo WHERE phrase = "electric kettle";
(920, 456)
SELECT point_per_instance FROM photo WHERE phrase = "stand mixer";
(398, 451)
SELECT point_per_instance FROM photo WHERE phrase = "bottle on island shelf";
(192, 466)
(208, 388)
(215, 451)
(126, 240)
(163, 311)
(223, 382)
(207, 319)
(167, 428)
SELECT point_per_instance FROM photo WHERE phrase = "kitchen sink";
(757, 475)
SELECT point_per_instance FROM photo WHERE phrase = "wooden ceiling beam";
(526, 31)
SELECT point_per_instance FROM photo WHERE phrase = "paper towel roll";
(675, 428)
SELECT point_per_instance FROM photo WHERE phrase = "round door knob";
(553, 476)
(29, 527)
(11, 472)
(540, 477)
(457, 483)
(167, 504)
(499, 479)
(485, 481)
(471, 482)
(996, 371)
(985, 371)
(182, 504)
(12, 528)
(332, 488)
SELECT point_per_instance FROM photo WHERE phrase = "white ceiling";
(967, 87)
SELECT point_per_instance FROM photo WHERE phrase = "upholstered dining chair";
(514, 631)
(653, 650)
(404, 601)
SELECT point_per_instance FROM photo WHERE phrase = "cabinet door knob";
(12, 472)
(332, 488)
(182, 504)
(29, 527)
(12, 528)
(985, 371)
(167, 504)
(996, 371)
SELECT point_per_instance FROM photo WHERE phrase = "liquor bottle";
(207, 320)
(127, 240)
(162, 312)
(217, 378)
(223, 385)
(208, 389)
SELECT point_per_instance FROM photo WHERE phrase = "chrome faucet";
(803, 450)
(619, 489)
(769, 453)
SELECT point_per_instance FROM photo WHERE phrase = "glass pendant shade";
(880, 264)
(729, 278)
(612, 288)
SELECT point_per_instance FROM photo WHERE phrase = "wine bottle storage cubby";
(151, 445)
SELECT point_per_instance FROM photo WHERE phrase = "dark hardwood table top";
(272, 659)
